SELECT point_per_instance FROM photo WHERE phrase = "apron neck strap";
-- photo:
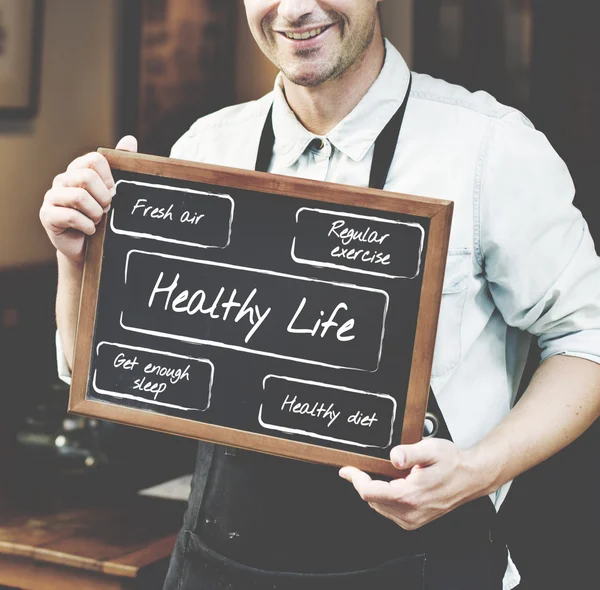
(385, 145)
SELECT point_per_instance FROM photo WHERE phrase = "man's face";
(313, 41)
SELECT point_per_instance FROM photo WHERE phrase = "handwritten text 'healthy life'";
(227, 307)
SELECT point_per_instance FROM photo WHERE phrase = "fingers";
(99, 164)
(423, 453)
(78, 199)
(390, 499)
(75, 198)
(371, 490)
(87, 179)
(431, 485)
(128, 144)
(409, 520)
(355, 476)
(60, 219)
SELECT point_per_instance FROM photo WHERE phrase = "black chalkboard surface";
(288, 316)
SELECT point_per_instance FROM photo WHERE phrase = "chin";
(306, 81)
(303, 77)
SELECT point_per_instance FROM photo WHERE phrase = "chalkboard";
(283, 315)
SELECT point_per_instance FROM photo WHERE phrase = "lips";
(304, 35)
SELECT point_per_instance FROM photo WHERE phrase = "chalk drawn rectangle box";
(363, 353)
(121, 384)
(211, 230)
(402, 243)
(312, 395)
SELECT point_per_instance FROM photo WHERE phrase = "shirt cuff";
(583, 355)
(584, 344)
(64, 373)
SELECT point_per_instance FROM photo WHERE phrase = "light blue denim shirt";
(521, 261)
(521, 258)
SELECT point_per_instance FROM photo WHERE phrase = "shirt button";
(318, 143)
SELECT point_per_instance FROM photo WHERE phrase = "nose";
(294, 10)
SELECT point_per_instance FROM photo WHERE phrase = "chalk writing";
(276, 315)
(326, 411)
(153, 377)
(174, 215)
(358, 243)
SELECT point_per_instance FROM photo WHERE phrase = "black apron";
(252, 516)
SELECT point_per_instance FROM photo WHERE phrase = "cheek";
(259, 12)
(355, 10)
(356, 7)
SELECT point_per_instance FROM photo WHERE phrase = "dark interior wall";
(33, 404)
(565, 96)
(554, 513)
(27, 365)
(551, 514)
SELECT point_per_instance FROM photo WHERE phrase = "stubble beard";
(350, 58)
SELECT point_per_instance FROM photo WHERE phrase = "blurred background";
(78, 74)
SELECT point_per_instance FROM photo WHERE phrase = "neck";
(322, 107)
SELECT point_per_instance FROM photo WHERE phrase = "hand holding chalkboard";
(287, 316)
(78, 198)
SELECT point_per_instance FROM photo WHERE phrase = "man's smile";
(301, 34)
(315, 41)
(305, 37)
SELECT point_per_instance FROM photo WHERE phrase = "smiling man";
(347, 109)
(330, 42)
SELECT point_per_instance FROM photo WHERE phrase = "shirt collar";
(357, 132)
(291, 137)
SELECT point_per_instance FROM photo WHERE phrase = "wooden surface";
(439, 212)
(108, 546)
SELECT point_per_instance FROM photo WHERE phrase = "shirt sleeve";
(180, 148)
(64, 373)
(534, 245)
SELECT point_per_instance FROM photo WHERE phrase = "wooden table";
(122, 545)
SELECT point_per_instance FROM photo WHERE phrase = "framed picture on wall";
(20, 53)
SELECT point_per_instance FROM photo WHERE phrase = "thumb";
(408, 456)
(128, 144)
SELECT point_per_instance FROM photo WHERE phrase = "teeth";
(306, 35)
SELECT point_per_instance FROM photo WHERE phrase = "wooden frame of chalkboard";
(354, 385)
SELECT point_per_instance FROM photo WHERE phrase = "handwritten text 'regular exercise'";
(229, 305)
(358, 244)
(389, 248)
